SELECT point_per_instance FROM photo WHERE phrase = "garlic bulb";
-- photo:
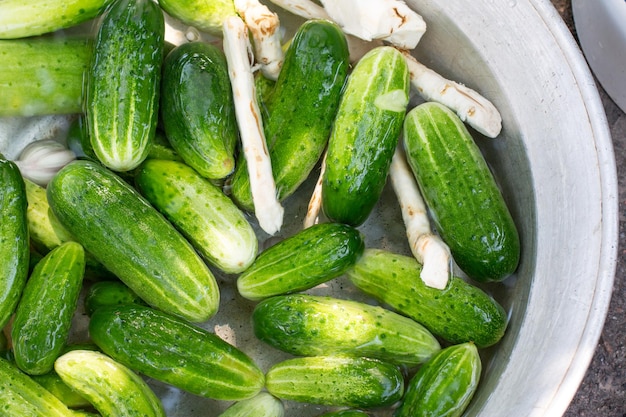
(42, 159)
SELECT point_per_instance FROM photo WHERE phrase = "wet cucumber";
(467, 207)
(109, 293)
(122, 83)
(364, 136)
(459, 313)
(308, 258)
(261, 405)
(133, 240)
(197, 108)
(176, 352)
(306, 325)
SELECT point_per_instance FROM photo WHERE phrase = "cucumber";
(210, 220)
(21, 396)
(122, 83)
(44, 314)
(301, 111)
(308, 258)
(171, 350)
(197, 108)
(21, 19)
(14, 241)
(112, 388)
(261, 405)
(336, 381)
(364, 136)
(307, 325)
(467, 207)
(345, 413)
(445, 385)
(133, 240)
(109, 293)
(53, 383)
(459, 313)
(42, 75)
(205, 16)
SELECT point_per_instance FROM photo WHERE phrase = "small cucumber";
(459, 313)
(468, 209)
(112, 388)
(210, 220)
(133, 240)
(304, 101)
(14, 239)
(109, 293)
(43, 75)
(306, 325)
(122, 83)
(173, 351)
(44, 314)
(261, 405)
(53, 383)
(207, 16)
(364, 136)
(308, 258)
(444, 385)
(336, 381)
(197, 108)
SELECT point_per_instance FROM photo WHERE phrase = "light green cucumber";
(210, 220)
(44, 314)
(112, 388)
(205, 16)
(307, 325)
(303, 260)
(109, 293)
(459, 313)
(445, 385)
(53, 383)
(176, 352)
(364, 136)
(336, 381)
(133, 240)
(123, 81)
(468, 209)
(261, 405)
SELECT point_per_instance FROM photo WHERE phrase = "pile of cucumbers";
(140, 230)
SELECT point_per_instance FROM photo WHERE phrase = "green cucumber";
(336, 381)
(306, 259)
(261, 405)
(210, 220)
(112, 388)
(173, 351)
(21, 19)
(198, 110)
(307, 325)
(21, 396)
(42, 76)
(53, 383)
(14, 241)
(301, 111)
(459, 313)
(364, 136)
(44, 314)
(122, 83)
(207, 16)
(109, 293)
(133, 240)
(468, 209)
(445, 385)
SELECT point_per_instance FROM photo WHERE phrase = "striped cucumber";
(122, 83)
(261, 405)
(133, 240)
(467, 207)
(364, 136)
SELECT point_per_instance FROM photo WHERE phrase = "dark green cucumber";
(445, 385)
(301, 111)
(44, 314)
(42, 75)
(308, 258)
(197, 108)
(171, 350)
(123, 80)
(336, 381)
(109, 293)
(261, 405)
(14, 239)
(214, 225)
(459, 313)
(306, 325)
(133, 240)
(467, 207)
(364, 136)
